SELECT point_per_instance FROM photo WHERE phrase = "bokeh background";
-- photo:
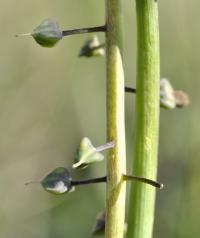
(50, 99)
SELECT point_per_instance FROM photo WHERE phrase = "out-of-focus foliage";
(50, 99)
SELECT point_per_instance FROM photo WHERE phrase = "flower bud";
(92, 47)
(58, 181)
(48, 33)
(86, 154)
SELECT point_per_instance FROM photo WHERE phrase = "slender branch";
(84, 30)
(142, 197)
(143, 180)
(89, 181)
(116, 163)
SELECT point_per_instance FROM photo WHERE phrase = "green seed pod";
(58, 181)
(92, 47)
(167, 98)
(48, 33)
(86, 154)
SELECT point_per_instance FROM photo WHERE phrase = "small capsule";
(48, 33)
(58, 181)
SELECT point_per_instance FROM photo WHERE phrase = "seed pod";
(92, 47)
(58, 181)
(86, 154)
(48, 33)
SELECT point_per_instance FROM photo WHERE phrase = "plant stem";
(84, 30)
(142, 197)
(116, 163)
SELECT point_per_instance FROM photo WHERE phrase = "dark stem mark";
(89, 181)
(84, 30)
(130, 90)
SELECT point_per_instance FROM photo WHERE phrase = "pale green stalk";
(116, 165)
(142, 197)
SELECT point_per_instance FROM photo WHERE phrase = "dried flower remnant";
(87, 154)
(92, 47)
(170, 98)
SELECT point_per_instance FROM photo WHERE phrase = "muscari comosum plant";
(148, 100)
(59, 181)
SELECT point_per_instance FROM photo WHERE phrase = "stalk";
(142, 197)
(116, 163)
(84, 30)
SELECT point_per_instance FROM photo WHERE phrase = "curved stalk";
(143, 180)
(142, 197)
(116, 163)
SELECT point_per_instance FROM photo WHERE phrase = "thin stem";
(24, 34)
(130, 90)
(143, 180)
(89, 181)
(84, 30)
(106, 146)
(142, 197)
(116, 163)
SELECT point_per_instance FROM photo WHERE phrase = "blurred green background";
(50, 99)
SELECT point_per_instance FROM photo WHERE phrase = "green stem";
(116, 163)
(142, 197)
